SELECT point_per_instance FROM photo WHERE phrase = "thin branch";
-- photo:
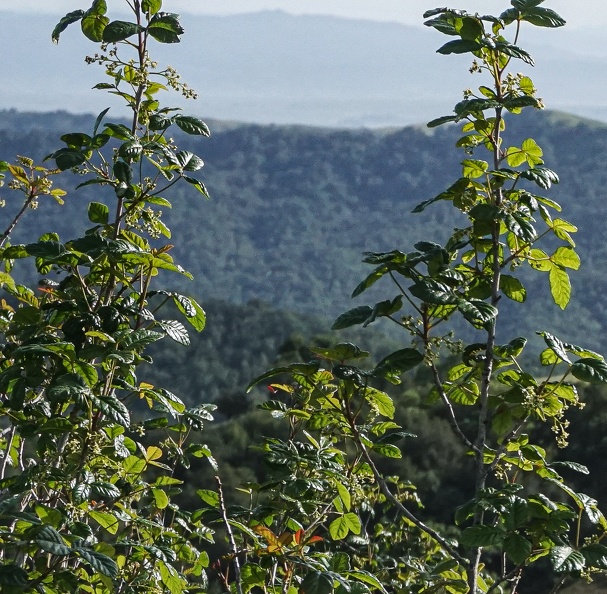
(451, 412)
(232, 540)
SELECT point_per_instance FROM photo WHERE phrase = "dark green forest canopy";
(293, 208)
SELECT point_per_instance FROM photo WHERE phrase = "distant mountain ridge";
(272, 67)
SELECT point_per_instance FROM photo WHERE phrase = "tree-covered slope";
(294, 208)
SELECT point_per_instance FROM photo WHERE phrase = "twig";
(232, 540)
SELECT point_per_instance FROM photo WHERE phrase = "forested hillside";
(292, 209)
(291, 448)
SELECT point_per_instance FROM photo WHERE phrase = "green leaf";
(459, 46)
(130, 150)
(353, 317)
(431, 291)
(106, 520)
(93, 26)
(562, 229)
(194, 314)
(191, 125)
(7, 280)
(62, 25)
(151, 7)
(517, 547)
(175, 330)
(380, 402)
(542, 176)
(98, 561)
(566, 257)
(161, 499)
(482, 536)
(388, 450)
(514, 156)
(198, 185)
(595, 555)
(98, 213)
(556, 345)
(464, 394)
(473, 168)
(477, 312)
(590, 370)
(13, 575)
(48, 539)
(123, 172)
(114, 410)
(68, 158)
(484, 212)
(397, 363)
(560, 286)
(189, 161)
(442, 120)
(513, 288)
(252, 576)
(344, 495)
(120, 30)
(316, 582)
(119, 131)
(513, 51)
(165, 28)
(543, 17)
(134, 465)
(566, 559)
(344, 351)
(533, 152)
(343, 525)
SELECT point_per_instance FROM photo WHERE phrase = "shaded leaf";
(68, 19)
(566, 559)
(590, 370)
(120, 30)
(98, 561)
(353, 317)
(459, 46)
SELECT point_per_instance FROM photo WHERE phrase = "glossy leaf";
(566, 559)
(316, 582)
(354, 317)
(120, 30)
(68, 19)
(482, 536)
(98, 213)
(192, 125)
(175, 330)
(460, 46)
(98, 561)
(589, 370)
(165, 28)
(397, 363)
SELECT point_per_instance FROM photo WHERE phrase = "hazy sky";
(581, 13)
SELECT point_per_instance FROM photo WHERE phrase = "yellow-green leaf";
(560, 286)
(513, 288)
(562, 229)
(515, 156)
(473, 168)
(566, 257)
(533, 153)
